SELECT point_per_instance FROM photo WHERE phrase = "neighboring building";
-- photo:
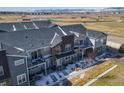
(33, 53)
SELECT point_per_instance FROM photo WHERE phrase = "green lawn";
(113, 78)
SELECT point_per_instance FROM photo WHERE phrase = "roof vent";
(26, 36)
(18, 51)
(31, 45)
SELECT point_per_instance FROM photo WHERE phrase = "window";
(39, 53)
(58, 49)
(76, 41)
(97, 40)
(104, 41)
(34, 55)
(46, 51)
(67, 47)
(98, 50)
(21, 79)
(48, 63)
(19, 62)
(81, 42)
(1, 71)
(3, 84)
(66, 58)
(58, 62)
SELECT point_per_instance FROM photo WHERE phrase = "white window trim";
(1, 68)
(19, 62)
(67, 47)
(21, 78)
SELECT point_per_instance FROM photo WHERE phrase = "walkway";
(95, 79)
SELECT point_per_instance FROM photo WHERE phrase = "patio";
(70, 71)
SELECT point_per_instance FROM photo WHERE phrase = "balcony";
(82, 45)
(33, 62)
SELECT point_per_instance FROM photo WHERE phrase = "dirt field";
(79, 16)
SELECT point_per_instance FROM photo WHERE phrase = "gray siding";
(17, 70)
(4, 63)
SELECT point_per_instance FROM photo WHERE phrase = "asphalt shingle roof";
(95, 34)
(12, 51)
(43, 23)
(19, 26)
(76, 28)
(28, 25)
(25, 25)
(6, 27)
(31, 39)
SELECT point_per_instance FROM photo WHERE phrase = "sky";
(37, 8)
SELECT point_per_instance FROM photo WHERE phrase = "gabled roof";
(74, 28)
(28, 25)
(30, 39)
(17, 26)
(13, 51)
(6, 27)
(95, 34)
(43, 23)
(55, 40)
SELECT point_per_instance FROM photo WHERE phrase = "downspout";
(27, 71)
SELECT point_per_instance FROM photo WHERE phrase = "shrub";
(121, 50)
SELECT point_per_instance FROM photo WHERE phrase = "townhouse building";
(35, 49)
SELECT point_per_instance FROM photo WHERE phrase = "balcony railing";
(33, 62)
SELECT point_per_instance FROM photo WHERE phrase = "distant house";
(43, 48)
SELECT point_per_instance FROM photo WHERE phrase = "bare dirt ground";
(92, 16)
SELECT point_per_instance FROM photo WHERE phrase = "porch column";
(45, 68)
(82, 54)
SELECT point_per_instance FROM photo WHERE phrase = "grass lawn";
(92, 73)
(73, 20)
(115, 28)
(113, 78)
